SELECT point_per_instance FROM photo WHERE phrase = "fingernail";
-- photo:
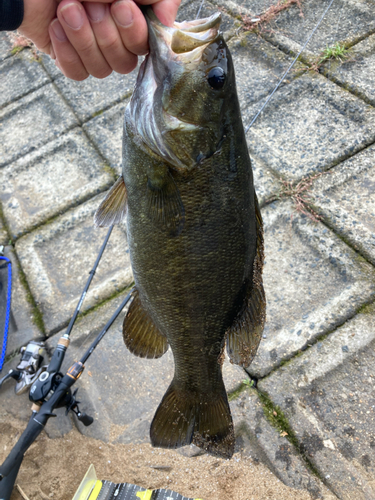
(123, 14)
(58, 30)
(95, 11)
(73, 15)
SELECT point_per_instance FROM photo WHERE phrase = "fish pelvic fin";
(164, 204)
(184, 417)
(141, 336)
(244, 336)
(112, 209)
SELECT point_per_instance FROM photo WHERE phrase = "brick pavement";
(310, 411)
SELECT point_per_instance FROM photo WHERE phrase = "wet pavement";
(306, 405)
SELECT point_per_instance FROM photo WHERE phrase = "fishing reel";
(29, 368)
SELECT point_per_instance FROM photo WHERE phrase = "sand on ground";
(54, 468)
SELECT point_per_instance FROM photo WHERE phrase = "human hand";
(97, 37)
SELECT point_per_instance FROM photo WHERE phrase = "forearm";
(11, 14)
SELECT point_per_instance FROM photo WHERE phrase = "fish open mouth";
(176, 50)
(185, 36)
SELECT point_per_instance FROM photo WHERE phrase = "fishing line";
(290, 67)
(199, 10)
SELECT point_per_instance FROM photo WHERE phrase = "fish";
(194, 229)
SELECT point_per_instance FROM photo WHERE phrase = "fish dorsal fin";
(112, 209)
(164, 204)
(141, 336)
(244, 335)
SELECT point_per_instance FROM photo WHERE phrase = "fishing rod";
(29, 370)
(42, 409)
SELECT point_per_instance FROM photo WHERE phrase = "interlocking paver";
(258, 67)
(50, 66)
(356, 72)
(248, 8)
(120, 390)
(58, 257)
(313, 282)
(346, 21)
(50, 180)
(3, 234)
(22, 327)
(327, 394)
(91, 96)
(318, 125)
(189, 10)
(5, 46)
(105, 131)
(257, 438)
(30, 122)
(19, 75)
(345, 197)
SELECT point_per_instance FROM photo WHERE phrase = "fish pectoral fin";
(112, 209)
(244, 336)
(184, 417)
(164, 204)
(141, 336)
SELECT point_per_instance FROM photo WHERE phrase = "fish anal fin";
(244, 336)
(112, 209)
(164, 204)
(184, 417)
(141, 335)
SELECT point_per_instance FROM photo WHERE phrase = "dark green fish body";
(194, 230)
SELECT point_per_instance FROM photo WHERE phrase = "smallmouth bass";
(194, 229)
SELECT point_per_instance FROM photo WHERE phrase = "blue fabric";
(7, 311)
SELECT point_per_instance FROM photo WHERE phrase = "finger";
(131, 25)
(108, 38)
(73, 19)
(67, 59)
(165, 10)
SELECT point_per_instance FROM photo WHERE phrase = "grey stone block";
(313, 282)
(346, 21)
(5, 46)
(20, 75)
(19, 406)
(46, 182)
(31, 122)
(120, 390)
(58, 257)
(4, 238)
(327, 395)
(22, 328)
(265, 182)
(355, 73)
(92, 96)
(309, 126)
(263, 443)
(258, 67)
(344, 196)
(50, 67)
(246, 8)
(189, 11)
(105, 131)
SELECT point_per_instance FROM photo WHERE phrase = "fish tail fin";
(184, 417)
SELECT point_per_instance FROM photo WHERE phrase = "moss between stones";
(37, 315)
(276, 417)
(245, 384)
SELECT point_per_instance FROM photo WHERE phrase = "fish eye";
(216, 78)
